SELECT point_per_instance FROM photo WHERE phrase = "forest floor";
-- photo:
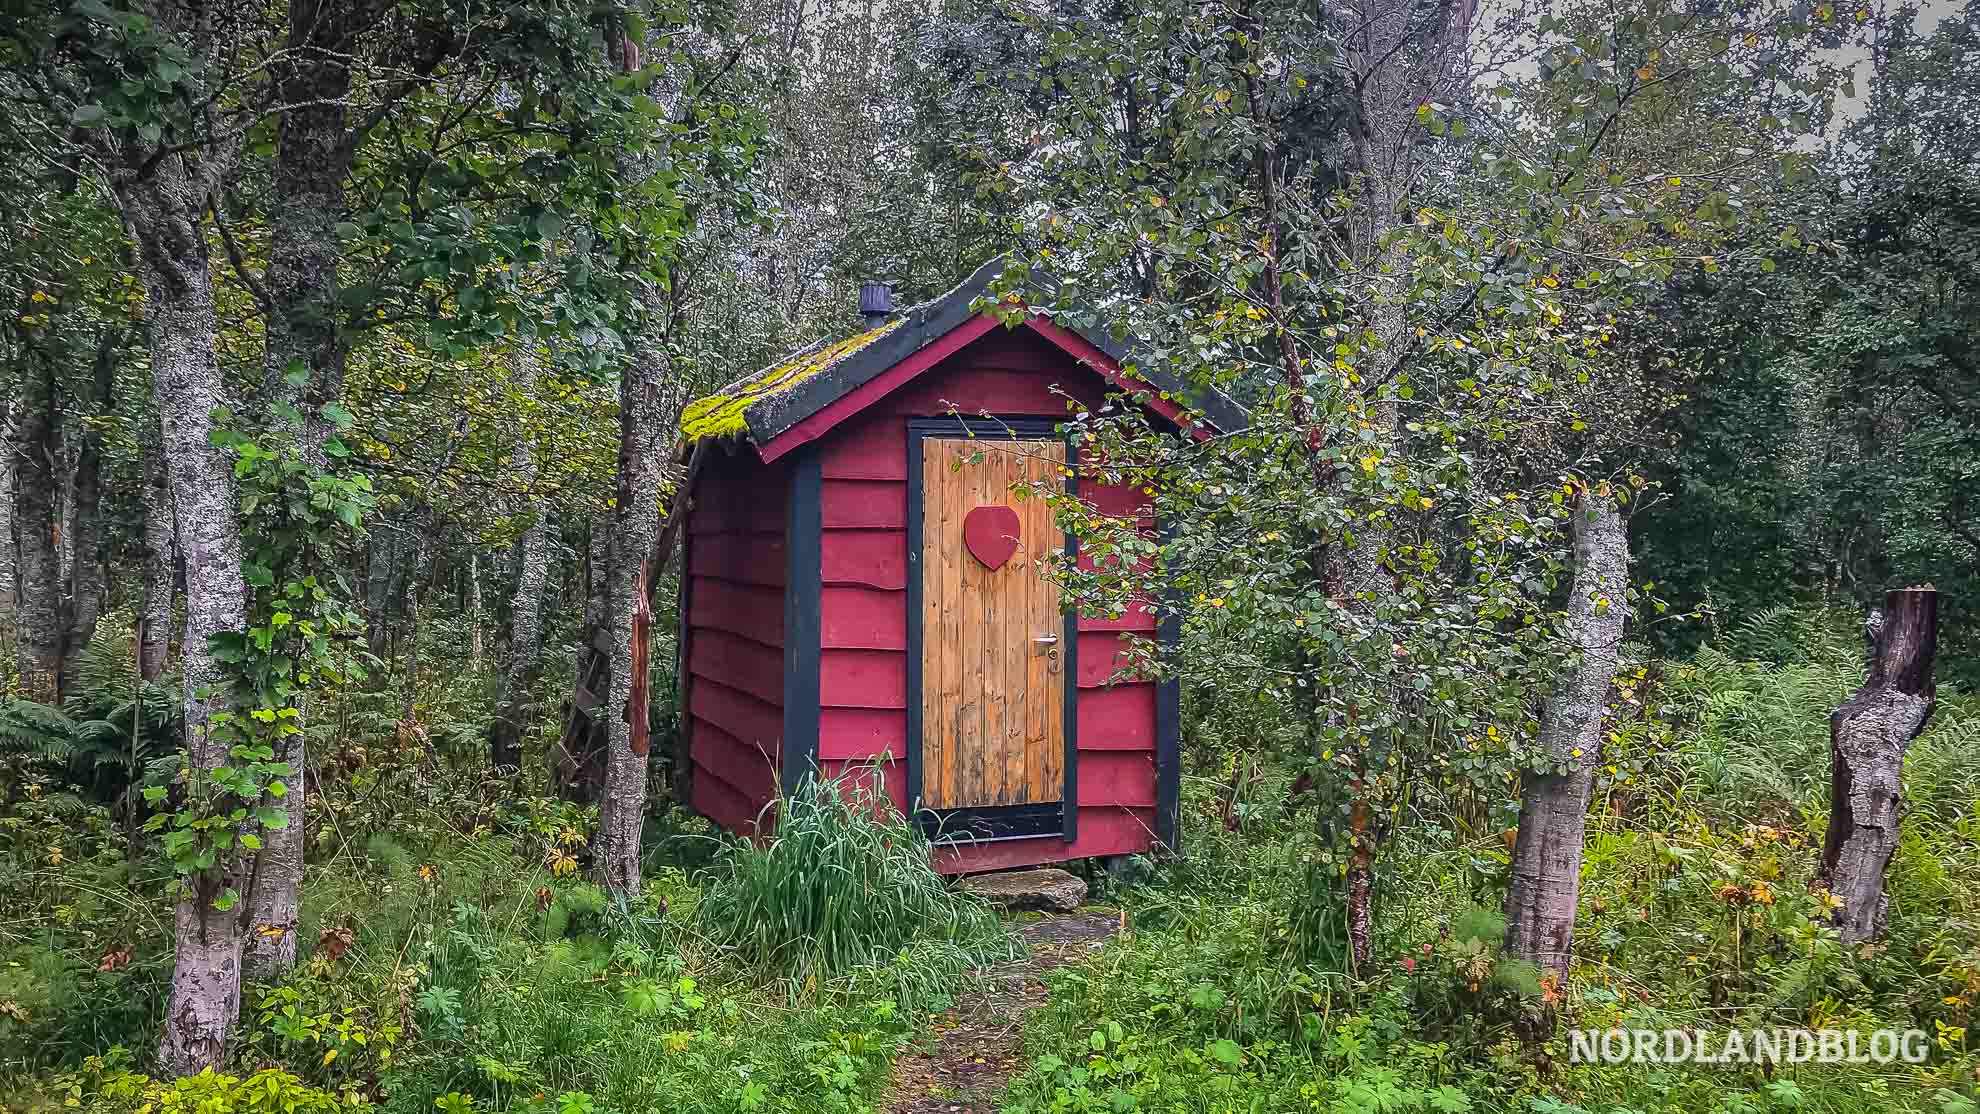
(964, 1062)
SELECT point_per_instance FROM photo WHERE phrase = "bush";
(846, 884)
(106, 1085)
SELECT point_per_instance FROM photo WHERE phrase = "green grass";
(846, 888)
(458, 965)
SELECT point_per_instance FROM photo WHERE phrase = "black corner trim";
(915, 495)
(1168, 738)
(803, 576)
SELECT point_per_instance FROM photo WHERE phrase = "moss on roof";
(722, 413)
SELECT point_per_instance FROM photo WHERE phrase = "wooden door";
(993, 656)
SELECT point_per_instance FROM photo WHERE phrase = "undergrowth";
(454, 957)
(469, 966)
(847, 887)
(1696, 914)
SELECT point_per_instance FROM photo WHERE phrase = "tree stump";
(1867, 740)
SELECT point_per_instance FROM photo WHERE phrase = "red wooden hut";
(852, 595)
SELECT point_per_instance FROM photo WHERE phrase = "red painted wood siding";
(863, 661)
(735, 641)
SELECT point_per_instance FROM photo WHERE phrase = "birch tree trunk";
(635, 522)
(304, 369)
(155, 617)
(380, 559)
(39, 651)
(474, 610)
(1553, 813)
(1867, 740)
(87, 577)
(162, 210)
(519, 672)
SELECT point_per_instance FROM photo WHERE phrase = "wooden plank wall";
(863, 663)
(735, 675)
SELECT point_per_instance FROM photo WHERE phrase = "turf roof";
(761, 406)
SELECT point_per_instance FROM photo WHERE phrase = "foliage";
(1643, 262)
(1824, 450)
(106, 1085)
(1696, 913)
(113, 729)
(1436, 300)
(846, 884)
(294, 519)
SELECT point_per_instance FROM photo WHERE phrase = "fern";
(1792, 633)
(36, 731)
(88, 742)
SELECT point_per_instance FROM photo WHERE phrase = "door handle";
(1047, 640)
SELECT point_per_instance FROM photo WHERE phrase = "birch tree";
(1554, 793)
(518, 677)
(1412, 262)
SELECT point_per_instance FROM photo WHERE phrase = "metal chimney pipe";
(876, 303)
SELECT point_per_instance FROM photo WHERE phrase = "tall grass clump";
(847, 886)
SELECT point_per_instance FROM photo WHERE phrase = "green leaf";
(87, 116)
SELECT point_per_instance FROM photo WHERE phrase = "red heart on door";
(990, 533)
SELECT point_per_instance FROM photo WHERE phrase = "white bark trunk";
(518, 679)
(313, 155)
(155, 620)
(1553, 815)
(162, 211)
(635, 522)
(40, 569)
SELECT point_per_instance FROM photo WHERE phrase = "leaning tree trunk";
(39, 615)
(1553, 811)
(162, 210)
(1867, 740)
(635, 522)
(155, 618)
(519, 672)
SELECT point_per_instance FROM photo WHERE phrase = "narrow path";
(971, 1052)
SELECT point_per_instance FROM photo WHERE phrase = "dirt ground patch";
(965, 1060)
